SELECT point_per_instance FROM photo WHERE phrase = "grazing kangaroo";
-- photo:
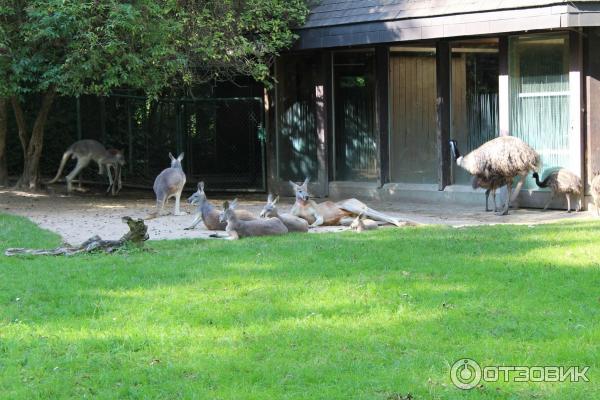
(169, 183)
(238, 229)
(89, 150)
(330, 213)
(291, 222)
(208, 214)
(361, 224)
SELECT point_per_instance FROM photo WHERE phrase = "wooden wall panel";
(413, 145)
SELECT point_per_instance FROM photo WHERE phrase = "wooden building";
(367, 100)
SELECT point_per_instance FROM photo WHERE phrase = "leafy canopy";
(90, 47)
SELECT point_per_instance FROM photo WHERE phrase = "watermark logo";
(467, 374)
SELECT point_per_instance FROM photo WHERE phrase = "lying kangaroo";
(291, 222)
(330, 213)
(169, 183)
(361, 224)
(237, 228)
(89, 150)
(208, 214)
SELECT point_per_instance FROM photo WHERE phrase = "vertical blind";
(539, 96)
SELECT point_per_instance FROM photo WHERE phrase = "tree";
(56, 47)
(74, 47)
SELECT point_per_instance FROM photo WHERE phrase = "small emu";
(562, 181)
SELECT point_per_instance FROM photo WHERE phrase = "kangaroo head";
(176, 162)
(228, 212)
(270, 209)
(117, 156)
(199, 197)
(301, 191)
(358, 224)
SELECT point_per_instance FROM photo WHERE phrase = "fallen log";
(138, 233)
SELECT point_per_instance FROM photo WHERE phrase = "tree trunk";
(3, 128)
(33, 147)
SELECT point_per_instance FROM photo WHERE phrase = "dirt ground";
(79, 216)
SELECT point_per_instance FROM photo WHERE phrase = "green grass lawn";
(329, 316)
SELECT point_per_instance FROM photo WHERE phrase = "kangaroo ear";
(276, 200)
(306, 182)
(201, 186)
(225, 205)
(270, 198)
(180, 157)
(233, 204)
(171, 157)
(294, 186)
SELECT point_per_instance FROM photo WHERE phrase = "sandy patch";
(80, 216)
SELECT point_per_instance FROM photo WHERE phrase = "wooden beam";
(443, 112)
(577, 103)
(503, 87)
(321, 124)
(592, 104)
(382, 68)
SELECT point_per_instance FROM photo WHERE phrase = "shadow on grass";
(306, 316)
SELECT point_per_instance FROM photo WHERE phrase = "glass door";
(355, 148)
(539, 97)
(475, 111)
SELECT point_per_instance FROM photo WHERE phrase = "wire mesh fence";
(223, 138)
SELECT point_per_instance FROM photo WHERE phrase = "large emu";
(562, 181)
(502, 158)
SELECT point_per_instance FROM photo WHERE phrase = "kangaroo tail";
(63, 162)
(358, 207)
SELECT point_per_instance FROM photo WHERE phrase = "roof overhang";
(563, 16)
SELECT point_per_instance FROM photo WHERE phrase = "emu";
(562, 181)
(504, 157)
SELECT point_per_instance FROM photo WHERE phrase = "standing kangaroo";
(169, 183)
(89, 150)
(208, 214)
(237, 228)
(291, 222)
(330, 213)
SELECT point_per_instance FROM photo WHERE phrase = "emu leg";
(494, 198)
(487, 197)
(549, 201)
(518, 187)
(508, 197)
(568, 202)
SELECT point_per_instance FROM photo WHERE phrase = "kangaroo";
(291, 222)
(361, 224)
(89, 150)
(208, 214)
(330, 213)
(169, 183)
(238, 229)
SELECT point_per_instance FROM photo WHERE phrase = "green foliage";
(318, 316)
(91, 47)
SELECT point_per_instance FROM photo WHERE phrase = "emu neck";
(542, 184)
